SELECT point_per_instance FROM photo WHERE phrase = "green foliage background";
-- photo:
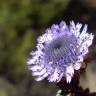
(21, 21)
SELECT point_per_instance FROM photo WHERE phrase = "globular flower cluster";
(60, 51)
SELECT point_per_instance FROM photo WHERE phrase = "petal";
(88, 40)
(39, 72)
(83, 33)
(35, 68)
(40, 46)
(78, 27)
(72, 27)
(41, 39)
(60, 77)
(70, 70)
(77, 66)
(54, 28)
(30, 62)
(68, 78)
(63, 25)
(49, 37)
(63, 28)
(83, 50)
(41, 77)
(80, 58)
(54, 76)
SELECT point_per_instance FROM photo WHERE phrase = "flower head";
(60, 51)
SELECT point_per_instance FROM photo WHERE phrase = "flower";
(60, 51)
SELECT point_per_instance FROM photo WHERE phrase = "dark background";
(21, 22)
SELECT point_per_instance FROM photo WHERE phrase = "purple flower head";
(60, 51)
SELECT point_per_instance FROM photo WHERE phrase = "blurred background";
(21, 22)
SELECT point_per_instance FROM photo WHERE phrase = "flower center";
(58, 49)
(63, 47)
(57, 46)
